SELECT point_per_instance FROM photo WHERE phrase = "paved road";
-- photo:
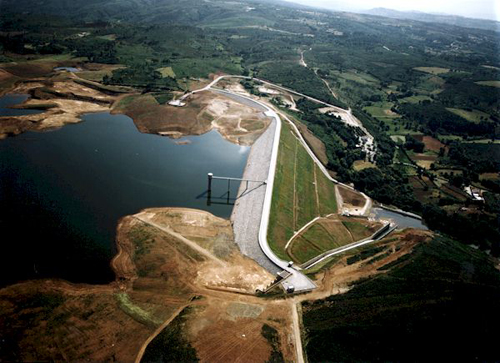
(245, 216)
(247, 210)
(368, 201)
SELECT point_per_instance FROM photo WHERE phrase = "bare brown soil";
(314, 143)
(63, 99)
(32, 69)
(4, 75)
(432, 143)
(203, 112)
(424, 157)
(339, 277)
(351, 198)
(157, 274)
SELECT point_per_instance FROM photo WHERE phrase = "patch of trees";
(474, 158)
(299, 79)
(414, 144)
(462, 93)
(339, 139)
(141, 76)
(478, 229)
(435, 118)
(454, 317)
(387, 185)
(96, 50)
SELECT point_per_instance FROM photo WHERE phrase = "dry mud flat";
(203, 112)
(62, 99)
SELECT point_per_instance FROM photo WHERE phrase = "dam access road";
(252, 209)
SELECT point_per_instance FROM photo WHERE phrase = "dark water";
(401, 220)
(63, 192)
(14, 99)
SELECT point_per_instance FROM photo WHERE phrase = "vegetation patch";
(432, 70)
(495, 84)
(475, 116)
(166, 72)
(327, 234)
(361, 164)
(301, 192)
(136, 312)
(172, 345)
(444, 297)
(326, 194)
(272, 337)
(415, 99)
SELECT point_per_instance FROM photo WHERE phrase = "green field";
(489, 83)
(167, 72)
(359, 77)
(319, 238)
(382, 112)
(472, 116)
(301, 192)
(432, 70)
(415, 99)
(327, 234)
(429, 85)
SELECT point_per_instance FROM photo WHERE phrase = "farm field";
(432, 70)
(472, 116)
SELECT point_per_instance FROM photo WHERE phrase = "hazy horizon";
(482, 9)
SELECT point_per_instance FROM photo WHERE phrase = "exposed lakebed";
(63, 192)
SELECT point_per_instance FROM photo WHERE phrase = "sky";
(483, 9)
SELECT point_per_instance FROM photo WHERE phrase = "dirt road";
(181, 238)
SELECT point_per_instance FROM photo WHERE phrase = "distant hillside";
(437, 18)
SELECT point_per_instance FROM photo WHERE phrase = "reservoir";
(63, 192)
(403, 221)
(15, 99)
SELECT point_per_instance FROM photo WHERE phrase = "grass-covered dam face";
(63, 192)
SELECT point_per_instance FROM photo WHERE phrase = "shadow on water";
(229, 197)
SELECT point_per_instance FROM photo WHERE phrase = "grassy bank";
(301, 192)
